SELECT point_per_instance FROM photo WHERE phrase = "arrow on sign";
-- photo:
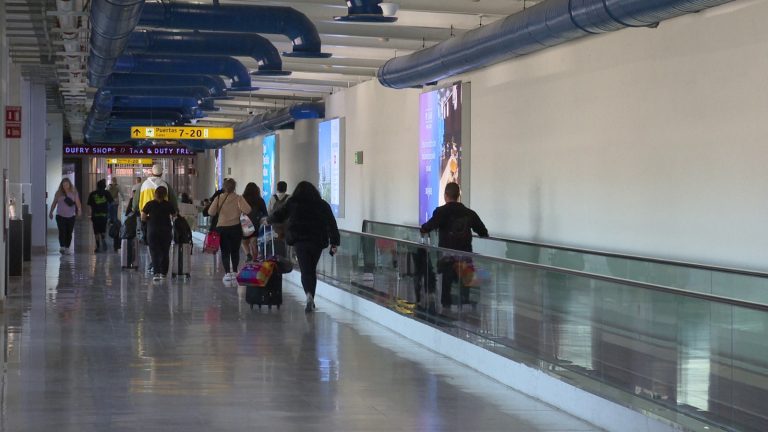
(136, 132)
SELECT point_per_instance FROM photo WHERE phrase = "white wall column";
(54, 159)
(3, 146)
(37, 164)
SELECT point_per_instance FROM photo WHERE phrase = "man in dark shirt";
(99, 202)
(455, 223)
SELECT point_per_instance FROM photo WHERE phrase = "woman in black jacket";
(311, 228)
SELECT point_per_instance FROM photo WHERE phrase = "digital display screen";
(330, 163)
(440, 146)
(219, 178)
(269, 166)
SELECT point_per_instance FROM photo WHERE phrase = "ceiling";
(51, 45)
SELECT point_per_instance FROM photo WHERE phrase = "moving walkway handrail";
(603, 253)
(627, 282)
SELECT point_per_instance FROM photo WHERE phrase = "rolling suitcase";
(181, 257)
(272, 293)
(128, 252)
(269, 295)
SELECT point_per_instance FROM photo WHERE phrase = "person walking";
(157, 214)
(279, 198)
(228, 206)
(66, 203)
(312, 228)
(114, 190)
(147, 194)
(99, 201)
(252, 195)
(455, 223)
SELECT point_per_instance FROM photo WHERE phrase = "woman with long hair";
(311, 228)
(229, 206)
(252, 195)
(66, 202)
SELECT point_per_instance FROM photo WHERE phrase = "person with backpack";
(276, 201)
(99, 201)
(312, 228)
(147, 194)
(455, 223)
(157, 215)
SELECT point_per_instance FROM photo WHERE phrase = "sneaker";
(157, 278)
(62, 250)
(310, 303)
(227, 278)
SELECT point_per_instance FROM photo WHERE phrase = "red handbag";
(212, 242)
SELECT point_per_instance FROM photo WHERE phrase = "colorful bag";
(247, 225)
(465, 270)
(212, 242)
(257, 273)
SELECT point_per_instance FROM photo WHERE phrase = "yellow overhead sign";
(123, 161)
(181, 132)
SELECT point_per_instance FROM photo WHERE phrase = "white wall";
(297, 150)
(645, 141)
(54, 159)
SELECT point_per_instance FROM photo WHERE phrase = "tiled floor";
(90, 347)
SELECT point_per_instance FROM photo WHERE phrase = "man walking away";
(455, 223)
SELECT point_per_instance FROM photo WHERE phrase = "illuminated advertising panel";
(269, 166)
(443, 147)
(331, 164)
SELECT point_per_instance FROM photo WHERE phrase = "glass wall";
(685, 356)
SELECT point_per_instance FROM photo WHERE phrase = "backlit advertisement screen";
(219, 178)
(330, 164)
(440, 146)
(269, 166)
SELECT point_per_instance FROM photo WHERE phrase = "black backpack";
(182, 233)
(459, 233)
(128, 230)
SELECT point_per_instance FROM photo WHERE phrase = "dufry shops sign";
(153, 151)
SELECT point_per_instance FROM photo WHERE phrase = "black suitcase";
(181, 260)
(270, 295)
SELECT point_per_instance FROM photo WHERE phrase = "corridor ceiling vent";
(544, 25)
(370, 11)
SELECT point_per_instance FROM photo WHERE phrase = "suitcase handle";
(263, 229)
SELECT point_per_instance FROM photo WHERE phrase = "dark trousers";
(159, 250)
(66, 225)
(447, 266)
(231, 237)
(424, 273)
(308, 255)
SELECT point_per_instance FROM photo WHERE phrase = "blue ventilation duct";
(365, 11)
(210, 44)
(214, 84)
(183, 65)
(238, 18)
(198, 93)
(112, 22)
(544, 25)
(265, 123)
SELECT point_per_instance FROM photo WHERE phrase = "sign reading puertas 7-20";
(181, 132)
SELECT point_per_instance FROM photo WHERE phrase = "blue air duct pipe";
(198, 93)
(215, 85)
(162, 102)
(181, 65)
(210, 44)
(265, 123)
(112, 21)
(541, 26)
(365, 11)
(240, 19)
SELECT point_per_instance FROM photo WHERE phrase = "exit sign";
(13, 122)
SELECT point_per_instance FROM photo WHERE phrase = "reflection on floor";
(90, 347)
